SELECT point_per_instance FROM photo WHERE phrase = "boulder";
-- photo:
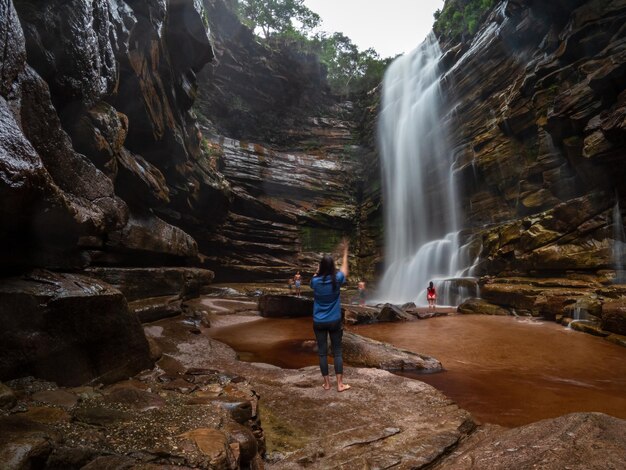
(589, 308)
(513, 295)
(480, 306)
(98, 133)
(360, 315)
(68, 328)
(614, 316)
(391, 312)
(359, 351)
(289, 306)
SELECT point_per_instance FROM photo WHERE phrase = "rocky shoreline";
(201, 407)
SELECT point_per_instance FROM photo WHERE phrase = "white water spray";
(421, 230)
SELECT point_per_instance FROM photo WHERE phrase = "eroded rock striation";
(105, 171)
(299, 175)
(536, 112)
(101, 169)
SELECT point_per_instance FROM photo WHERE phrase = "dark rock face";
(68, 328)
(144, 283)
(539, 137)
(255, 92)
(101, 165)
(103, 100)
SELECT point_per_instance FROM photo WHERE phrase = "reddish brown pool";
(505, 371)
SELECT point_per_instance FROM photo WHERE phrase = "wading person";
(297, 280)
(327, 314)
(362, 292)
(431, 295)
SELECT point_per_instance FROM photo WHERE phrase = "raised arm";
(344, 262)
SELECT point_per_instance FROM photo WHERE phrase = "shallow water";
(504, 371)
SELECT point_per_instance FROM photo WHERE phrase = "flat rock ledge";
(202, 408)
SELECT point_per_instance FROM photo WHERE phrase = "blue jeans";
(335, 330)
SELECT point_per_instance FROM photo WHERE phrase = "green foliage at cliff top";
(461, 17)
(289, 22)
(276, 16)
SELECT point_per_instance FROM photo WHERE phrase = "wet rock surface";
(364, 352)
(68, 328)
(202, 408)
(576, 441)
(144, 283)
(536, 120)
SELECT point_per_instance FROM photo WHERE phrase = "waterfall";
(421, 226)
(619, 240)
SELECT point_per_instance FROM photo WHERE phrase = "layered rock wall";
(300, 181)
(536, 101)
(105, 171)
(101, 166)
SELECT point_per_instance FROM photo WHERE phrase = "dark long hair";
(327, 268)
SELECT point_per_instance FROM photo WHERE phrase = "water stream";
(503, 370)
(421, 220)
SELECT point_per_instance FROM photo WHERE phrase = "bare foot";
(343, 387)
(326, 386)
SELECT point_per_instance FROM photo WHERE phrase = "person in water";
(327, 319)
(297, 280)
(362, 292)
(431, 295)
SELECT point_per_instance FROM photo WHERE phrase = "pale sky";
(390, 26)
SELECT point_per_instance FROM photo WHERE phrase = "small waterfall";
(619, 242)
(421, 229)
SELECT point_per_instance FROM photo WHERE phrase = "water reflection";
(502, 370)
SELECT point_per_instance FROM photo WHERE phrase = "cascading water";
(421, 230)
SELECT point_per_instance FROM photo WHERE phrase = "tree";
(277, 16)
(349, 70)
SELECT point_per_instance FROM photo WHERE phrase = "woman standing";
(327, 314)
(431, 295)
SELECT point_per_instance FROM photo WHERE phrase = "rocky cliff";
(108, 184)
(102, 173)
(536, 102)
(291, 153)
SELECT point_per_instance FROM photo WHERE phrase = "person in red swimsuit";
(431, 295)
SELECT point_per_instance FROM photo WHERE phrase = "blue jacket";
(327, 306)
